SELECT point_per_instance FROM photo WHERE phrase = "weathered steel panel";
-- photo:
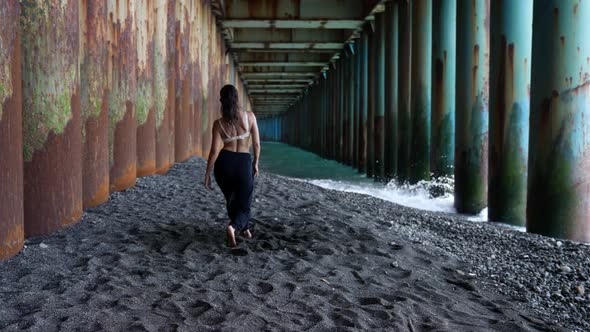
(351, 109)
(11, 163)
(122, 93)
(471, 138)
(511, 42)
(144, 105)
(391, 89)
(421, 77)
(559, 158)
(51, 115)
(94, 102)
(404, 84)
(444, 42)
(379, 98)
(163, 83)
(184, 113)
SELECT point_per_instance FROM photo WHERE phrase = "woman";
(234, 167)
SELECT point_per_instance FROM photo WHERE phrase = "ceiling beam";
(271, 86)
(281, 74)
(279, 50)
(293, 24)
(281, 64)
(272, 81)
(291, 45)
(270, 91)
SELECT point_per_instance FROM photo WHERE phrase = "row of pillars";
(94, 94)
(494, 93)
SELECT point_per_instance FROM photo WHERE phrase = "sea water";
(285, 160)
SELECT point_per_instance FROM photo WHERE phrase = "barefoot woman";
(234, 167)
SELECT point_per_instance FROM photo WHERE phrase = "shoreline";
(153, 258)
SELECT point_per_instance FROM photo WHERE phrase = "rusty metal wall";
(87, 102)
(94, 102)
(144, 102)
(184, 113)
(122, 93)
(51, 115)
(11, 163)
(163, 83)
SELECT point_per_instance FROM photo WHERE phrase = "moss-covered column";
(471, 138)
(184, 114)
(444, 43)
(391, 88)
(163, 75)
(404, 85)
(379, 97)
(94, 102)
(510, 77)
(51, 115)
(11, 162)
(559, 159)
(421, 90)
(144, 105)
(122, 93)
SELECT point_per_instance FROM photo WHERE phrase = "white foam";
(414, 196)
(411, 196)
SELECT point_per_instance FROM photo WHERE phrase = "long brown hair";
(229, 103)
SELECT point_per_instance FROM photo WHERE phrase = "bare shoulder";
(251, 116)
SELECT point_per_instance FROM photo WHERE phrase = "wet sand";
(153, 259)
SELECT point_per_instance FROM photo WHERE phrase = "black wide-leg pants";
(233, 174)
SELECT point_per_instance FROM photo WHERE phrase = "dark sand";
(153, 258)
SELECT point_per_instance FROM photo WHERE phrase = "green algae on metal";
(48, 86)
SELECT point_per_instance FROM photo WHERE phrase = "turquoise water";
(282, 159)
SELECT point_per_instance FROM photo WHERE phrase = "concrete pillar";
(379, 94)
(11, 144)
(51, 115)
(444, 43)
(404, 85)
(471, 107)
(391, 88)
(421, 90)
(559, 169)
(510, 78)
(122, 93)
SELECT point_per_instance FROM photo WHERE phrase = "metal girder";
(281, 64)
(272, 81)
(293, 24)
(279, 50)
(275, 90)
(280, 74)
(274, 86)
(290, 45)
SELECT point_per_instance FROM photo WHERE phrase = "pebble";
(581, 290)
(559, 243)
(43, 246)
(565, 269)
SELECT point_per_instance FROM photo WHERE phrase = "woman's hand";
(208, 181)
(255, 169)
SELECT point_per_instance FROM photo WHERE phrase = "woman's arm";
(255, 145)
(213, 153)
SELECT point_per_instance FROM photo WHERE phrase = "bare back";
(233, 135)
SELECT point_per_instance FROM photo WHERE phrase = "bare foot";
(231, 236)
(246, 234)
